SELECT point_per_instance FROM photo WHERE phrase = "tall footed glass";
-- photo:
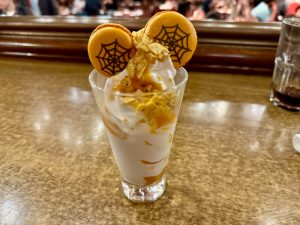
(140, 128)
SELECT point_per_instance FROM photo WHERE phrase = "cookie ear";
(176, 32)
(110, 47)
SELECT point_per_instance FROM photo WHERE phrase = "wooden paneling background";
(222, 46)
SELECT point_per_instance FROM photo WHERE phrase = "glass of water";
(285, 88)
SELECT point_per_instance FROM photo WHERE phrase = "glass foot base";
(149, 193)
(285, 102)
(277, 103)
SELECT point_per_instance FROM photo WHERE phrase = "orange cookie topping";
(176, 32)
(110, 47)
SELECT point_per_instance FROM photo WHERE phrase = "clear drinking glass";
(140, 151)
(285, 88)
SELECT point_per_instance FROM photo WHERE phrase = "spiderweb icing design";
(113, 57)
(175, 39)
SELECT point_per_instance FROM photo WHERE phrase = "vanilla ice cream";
(140, 112)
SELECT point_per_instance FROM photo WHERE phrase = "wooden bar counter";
(232, 160)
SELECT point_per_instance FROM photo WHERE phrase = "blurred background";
(229, 10)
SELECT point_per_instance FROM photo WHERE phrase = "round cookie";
(109, 48)
(173, 30)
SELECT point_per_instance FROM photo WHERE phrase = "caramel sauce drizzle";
(148, 162)
(147, 143)
(113, 128)
(170, 138)
(154, 179)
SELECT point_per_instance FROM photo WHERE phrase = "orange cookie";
(173, 30)
(110, 47)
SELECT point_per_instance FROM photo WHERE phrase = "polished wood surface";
(232, 159)
(222, 46)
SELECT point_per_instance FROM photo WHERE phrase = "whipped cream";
(123, 114)
(141, 152)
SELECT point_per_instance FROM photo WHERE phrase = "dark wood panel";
(222, 46)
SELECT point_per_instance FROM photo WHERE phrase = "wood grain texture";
(222, 46)
(232, 160)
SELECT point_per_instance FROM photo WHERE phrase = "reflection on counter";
(225, 113)
(231, 10)
(78, 96)
(11, 212)
(43, 119)
(222, 111)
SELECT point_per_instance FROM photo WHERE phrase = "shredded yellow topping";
(157, 107)
(132, 84)
(157, 111)
(146, 54)
(139, 77)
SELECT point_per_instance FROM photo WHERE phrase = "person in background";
(265, 11)
(64, 7)
(297, 13)
(148, 7)
(281, 9)
(123, 9)
(109, 6)
(23, 7)
(220, 9)
(261, 11)
(169, 5)
(35, 8)
(129, 8)
(241, 11)
(274, 10)
(206, 6)
(292, 8)
(155, 7)
(92, 7)
(78, 7)
(289, 2)
(196, 12)
(184, 7)
(7, 8)
(48, 7)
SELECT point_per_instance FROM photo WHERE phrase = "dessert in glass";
(138, 84)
